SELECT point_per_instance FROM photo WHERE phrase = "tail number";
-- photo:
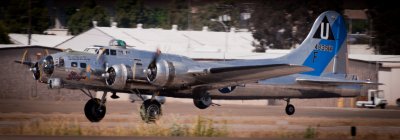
(325, 48)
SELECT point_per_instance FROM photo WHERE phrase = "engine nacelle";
(165, 73)
(54, 83)
(118, 75)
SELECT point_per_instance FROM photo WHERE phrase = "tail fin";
(325, 48)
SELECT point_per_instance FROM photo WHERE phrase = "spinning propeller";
(152, 68)
(44, 66)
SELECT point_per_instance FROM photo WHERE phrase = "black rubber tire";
(199, 102)
(150, 111)
(383, 106)
(92, 111)
(290, 109)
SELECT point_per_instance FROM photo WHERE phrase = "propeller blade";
(47, 52)
(156, 56)
(152, 68)
(24, 56)
(101, 52)
(28, 63)
(22, 61)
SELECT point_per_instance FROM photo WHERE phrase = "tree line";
(274, 24)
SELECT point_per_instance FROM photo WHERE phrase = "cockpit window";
(106, 52)
(92, 50)
(74, 64)
(113, 52)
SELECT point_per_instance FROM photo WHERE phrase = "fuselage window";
(83, 65)
(113, 52)
(120, 52)
(74, 64)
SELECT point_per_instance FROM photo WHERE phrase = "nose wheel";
(289, 108)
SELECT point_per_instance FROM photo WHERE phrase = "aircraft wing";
(229, 76)
(332, 81)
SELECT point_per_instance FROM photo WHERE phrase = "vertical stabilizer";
(325, 48)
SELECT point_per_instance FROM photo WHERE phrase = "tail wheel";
(94, 111)
(290, 109)
(150, 111)
(383, 106)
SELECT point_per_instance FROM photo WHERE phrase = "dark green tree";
(156, 18)
(178, 13)
(384, 17)
(281, 24)
(82, 19)
(203, 18)
(4, 39)
(131, 12)
(126, 13)
(15, 15)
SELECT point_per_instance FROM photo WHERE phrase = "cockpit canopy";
(116, 47)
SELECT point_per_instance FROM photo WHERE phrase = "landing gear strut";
(95, 108)
(289, 107)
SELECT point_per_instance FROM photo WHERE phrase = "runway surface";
(245, 121)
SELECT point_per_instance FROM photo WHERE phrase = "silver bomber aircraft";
(117, 68)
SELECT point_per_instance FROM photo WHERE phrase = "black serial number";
(326, 48)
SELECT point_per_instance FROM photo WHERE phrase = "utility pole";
(189, 16)
(226, 34)
(29, 23)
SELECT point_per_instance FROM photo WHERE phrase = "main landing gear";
(201, 99)
(289, 107)
(95, 108)
(150, 110)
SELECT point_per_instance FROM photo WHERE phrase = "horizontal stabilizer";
(330, 81)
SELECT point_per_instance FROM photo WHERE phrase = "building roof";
(37, 39)
(375, 58)
(16, 46)
(355, 14)
(172, 41)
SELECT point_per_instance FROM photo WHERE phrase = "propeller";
(152, 68)
(101, 52)
(33, 66)
(22, 61)
(43, 66)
